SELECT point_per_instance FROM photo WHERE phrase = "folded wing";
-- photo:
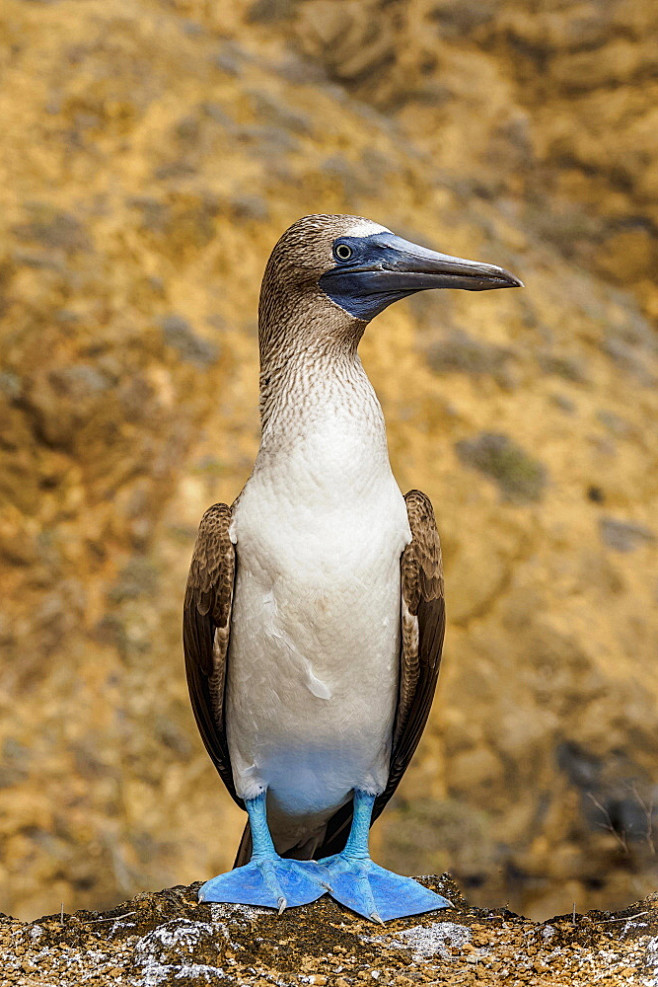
(206, 630)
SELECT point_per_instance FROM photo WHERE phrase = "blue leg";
(267, 879)
(368, 889)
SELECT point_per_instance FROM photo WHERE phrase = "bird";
(314, 611)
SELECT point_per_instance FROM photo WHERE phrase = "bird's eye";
(343, 252)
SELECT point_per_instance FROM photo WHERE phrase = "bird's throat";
(322, 424)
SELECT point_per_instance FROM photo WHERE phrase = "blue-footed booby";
(314, 611)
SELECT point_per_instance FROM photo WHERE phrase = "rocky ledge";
(167, 937)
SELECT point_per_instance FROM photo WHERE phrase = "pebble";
(515, 953)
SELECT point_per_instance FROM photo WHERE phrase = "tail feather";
(306, 850)
(331, 841)
(335, 833)
(311, 849)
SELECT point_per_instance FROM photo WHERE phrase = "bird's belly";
(313, 678)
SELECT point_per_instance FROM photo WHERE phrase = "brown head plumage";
(294, 309)
(328, 276)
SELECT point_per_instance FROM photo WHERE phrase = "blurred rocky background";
(152, 152)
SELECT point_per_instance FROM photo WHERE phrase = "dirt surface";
(168, 938)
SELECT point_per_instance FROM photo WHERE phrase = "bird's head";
(342, 271)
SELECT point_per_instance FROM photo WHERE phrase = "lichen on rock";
(168, 938)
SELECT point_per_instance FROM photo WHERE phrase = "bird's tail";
(304, 850)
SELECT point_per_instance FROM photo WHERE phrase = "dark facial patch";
(372, 271)
(355, 283)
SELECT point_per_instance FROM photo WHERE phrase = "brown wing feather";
(206, 629)
(423, 629)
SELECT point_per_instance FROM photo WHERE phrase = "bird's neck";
(321, 417)
(313, 384)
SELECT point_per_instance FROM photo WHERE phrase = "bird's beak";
(407, 267)
(384, 268)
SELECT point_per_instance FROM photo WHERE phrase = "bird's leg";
(267, 879)
(366, 888)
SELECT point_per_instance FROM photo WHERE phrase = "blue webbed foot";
(368, 889)
(376, 893)
(267, 879)
(270, 881)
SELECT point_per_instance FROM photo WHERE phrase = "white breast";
(315, 631)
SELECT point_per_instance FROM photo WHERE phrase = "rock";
(178, 333)
(464, 354)
(154, 160)
(168, 938)
(519, 476)
(624, 536)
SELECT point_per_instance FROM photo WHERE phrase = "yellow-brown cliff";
(152, 152)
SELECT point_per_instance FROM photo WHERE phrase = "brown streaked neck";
(308, 350)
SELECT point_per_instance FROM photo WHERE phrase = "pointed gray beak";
(372, 272)
(405, 266)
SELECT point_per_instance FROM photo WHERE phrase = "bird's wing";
(206, 630)
(423, 629)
